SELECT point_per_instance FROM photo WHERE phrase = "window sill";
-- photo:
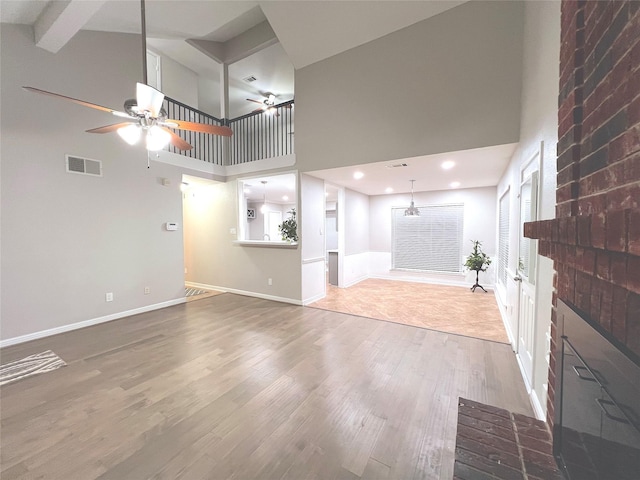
(262, 243)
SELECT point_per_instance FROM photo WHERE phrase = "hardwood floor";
(232, 387)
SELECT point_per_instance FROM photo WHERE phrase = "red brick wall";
(595, 238)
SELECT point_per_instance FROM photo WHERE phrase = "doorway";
(522, 291)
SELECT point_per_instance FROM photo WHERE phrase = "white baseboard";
(356, 281)
(204, 286)
(244, 292)
(87, 323)
(505, 321)
(430, 280)
(264, 296)
(537, 408)
(315, 298)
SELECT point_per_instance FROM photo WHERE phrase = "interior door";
(527, 255)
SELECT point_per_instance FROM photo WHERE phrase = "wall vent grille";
(83, 166)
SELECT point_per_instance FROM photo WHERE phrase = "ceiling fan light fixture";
(130, 133)
(157, 138)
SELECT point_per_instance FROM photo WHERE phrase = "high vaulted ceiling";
(304, 32)
(307, 32)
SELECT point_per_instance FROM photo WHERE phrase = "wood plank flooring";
(232, 387)
(445, 308)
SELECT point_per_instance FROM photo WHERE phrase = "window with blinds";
(503, 238)
(430, 242)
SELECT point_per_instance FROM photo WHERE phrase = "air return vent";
(250, 79)
(84, 166)
(397, 165)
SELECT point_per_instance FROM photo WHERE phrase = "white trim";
(87, 323)
(306, 261)
(432, 281)
(537, 408)
(313, 299)
(204, 286)
(523, 373)
(264, 296)
(505, 320)
(281, 161)
(266, 244)
(354, 281)
(246, 293)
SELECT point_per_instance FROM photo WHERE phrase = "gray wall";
(356, 231)
(217, 261)
(448, 83)
(179, 83)
(67, 239)
(539, 124)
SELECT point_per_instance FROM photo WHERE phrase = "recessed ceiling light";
(358, 175)
(388, 190)
(448, 164)
(285, 198)
(454, 184)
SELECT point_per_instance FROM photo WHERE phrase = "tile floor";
(437, 307)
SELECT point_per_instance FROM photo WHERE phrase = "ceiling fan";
(145, 113)
(268, 105)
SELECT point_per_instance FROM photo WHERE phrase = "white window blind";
(503, 239)
(431, 242)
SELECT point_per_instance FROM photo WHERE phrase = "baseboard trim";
(448, 283)
(204, 286)
(246, 293)
(356, 281)
(315, 298)
(537, 408)
(87, 323)
(505, 321)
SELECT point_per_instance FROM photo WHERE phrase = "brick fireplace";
(595, 238)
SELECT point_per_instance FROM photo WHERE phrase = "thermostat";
(172, 226)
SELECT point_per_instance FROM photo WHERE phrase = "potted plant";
(289, 228)
(477, 261)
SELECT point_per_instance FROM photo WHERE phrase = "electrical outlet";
(147, 290)
(269, 281)
(108, 297)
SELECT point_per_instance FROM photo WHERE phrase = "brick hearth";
(494, 444)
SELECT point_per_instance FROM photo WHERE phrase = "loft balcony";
(256, 136)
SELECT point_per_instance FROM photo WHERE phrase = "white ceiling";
(308, 31)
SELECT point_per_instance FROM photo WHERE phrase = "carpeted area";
(30, 366)
(438, 307)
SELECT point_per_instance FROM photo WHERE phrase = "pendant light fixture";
(263, 208)
(412, 211)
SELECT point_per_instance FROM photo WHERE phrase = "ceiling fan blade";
(255, 101)
(258, 110)
(177, 141)
(199, 127)
(149, 99)
(109, 128)
(79, 102)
